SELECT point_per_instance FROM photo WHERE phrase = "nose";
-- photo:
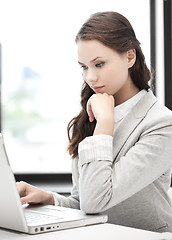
(91, 77)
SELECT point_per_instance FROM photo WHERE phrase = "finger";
(21, 187)
(27, 199)
(24, 200)
(90, 112)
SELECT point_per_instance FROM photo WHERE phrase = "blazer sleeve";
(73, 200)
(103, 183)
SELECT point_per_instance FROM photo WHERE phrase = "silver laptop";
(34, 219)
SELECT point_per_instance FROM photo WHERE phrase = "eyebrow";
(90, 61)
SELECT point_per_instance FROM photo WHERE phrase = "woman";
(121, 140)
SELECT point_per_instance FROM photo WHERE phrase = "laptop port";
(41, 229)
(48, 228)
(36, 229)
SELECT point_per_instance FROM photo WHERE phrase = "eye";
(99, 64)
(84, 67)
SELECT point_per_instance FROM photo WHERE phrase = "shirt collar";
(124, 108)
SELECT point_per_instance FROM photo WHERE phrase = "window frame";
(168, 51)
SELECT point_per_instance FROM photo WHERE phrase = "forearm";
(104, 126)
(95, 160)
(69, 202)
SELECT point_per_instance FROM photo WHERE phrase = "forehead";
(90, 49)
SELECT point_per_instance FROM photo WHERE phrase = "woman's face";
(105, 70)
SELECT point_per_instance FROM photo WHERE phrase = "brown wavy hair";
(114, 31)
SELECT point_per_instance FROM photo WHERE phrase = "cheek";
(116, 78)
(117, 74)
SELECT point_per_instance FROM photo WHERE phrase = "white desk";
(96, 232)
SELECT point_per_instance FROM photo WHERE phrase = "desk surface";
(96, 232)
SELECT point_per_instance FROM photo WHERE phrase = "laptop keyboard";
(33, 218)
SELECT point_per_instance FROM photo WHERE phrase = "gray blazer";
(128, 176)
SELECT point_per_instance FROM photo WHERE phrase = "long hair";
(114, 31)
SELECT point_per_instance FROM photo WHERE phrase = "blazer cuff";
(98, 147)
(56, 197)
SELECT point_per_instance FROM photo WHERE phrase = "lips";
(98, 88)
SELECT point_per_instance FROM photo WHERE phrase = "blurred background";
(41, 79)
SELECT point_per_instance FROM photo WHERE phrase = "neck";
(125, 93)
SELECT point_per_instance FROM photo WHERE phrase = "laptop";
(34, 219)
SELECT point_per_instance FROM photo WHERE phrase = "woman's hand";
(101, 107)
(33, 195)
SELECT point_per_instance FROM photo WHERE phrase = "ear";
(131, 56)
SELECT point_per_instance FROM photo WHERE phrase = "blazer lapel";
(131, 121)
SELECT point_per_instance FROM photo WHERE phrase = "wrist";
(104, 126)
(48, 198)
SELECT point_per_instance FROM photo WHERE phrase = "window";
(41, 79)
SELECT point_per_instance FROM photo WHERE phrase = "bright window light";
(41, 80)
